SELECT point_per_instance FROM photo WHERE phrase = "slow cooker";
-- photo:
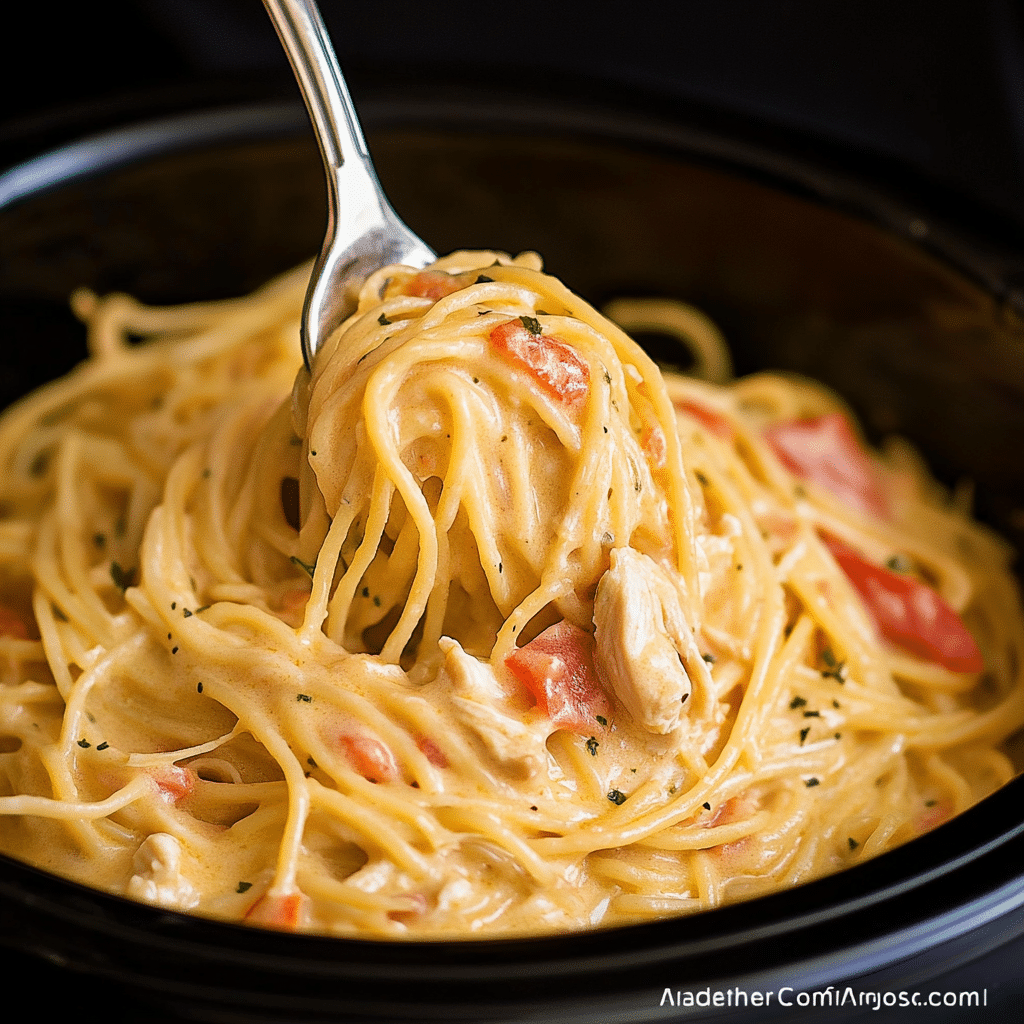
(913, 311)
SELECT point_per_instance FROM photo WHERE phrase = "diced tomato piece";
(277, 911)
(708, 418)
(825, 449)
(558, 669)
(12, 624)
(432, 752)
(652, 437)
(556, 366)
(175, 783)
(291, 605)
(433, 284)
(416, 907)
(734, 809)
(909, 613)
(368, 756)
(652, 440)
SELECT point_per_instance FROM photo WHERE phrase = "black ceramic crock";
(912, 315)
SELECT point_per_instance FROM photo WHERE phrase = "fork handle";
(305, 40)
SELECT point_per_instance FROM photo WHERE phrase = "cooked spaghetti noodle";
(483, 626)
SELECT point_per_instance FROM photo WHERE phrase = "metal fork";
(363, 231)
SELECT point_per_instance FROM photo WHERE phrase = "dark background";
(930, 94)
(931, 91)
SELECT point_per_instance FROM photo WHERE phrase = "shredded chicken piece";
(158, 878)
(476, 696)
(645, 651)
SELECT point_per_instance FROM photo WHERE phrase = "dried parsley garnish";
(899, 563)
(123, 578)
(309, 569)
(833, 668)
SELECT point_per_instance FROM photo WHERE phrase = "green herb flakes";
(308, 569)
(123, 578)
(833, 668)
(899, 563)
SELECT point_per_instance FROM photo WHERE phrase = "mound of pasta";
(483, 625)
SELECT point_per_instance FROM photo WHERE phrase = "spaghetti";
(484, 625)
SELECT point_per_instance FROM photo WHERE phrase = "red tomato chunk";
(369, 757)
(175, 783)
(277, 911)
(710, 419)
(652, 441)
(558, 669)
(555, 365)
(433, 284)
(12, 624)
(432, 752)
(909, 613)
(825, 450)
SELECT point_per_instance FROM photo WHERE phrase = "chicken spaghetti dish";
(482, 625)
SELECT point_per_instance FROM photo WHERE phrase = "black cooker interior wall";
(932, 91)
